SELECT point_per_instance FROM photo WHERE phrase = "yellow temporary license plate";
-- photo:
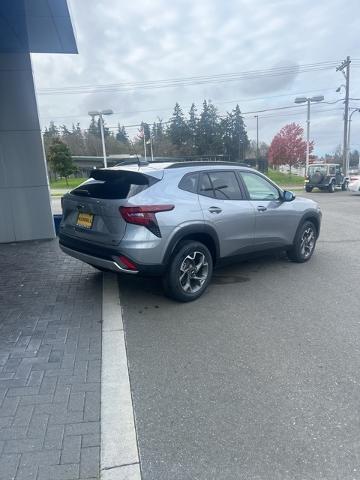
(85, 220)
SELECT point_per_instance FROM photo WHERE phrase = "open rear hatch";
(91, 211)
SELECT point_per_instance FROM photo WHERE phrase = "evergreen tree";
(94, 128)
(144, 130)
(49, 135)
(209, 141)
(192, 125)
(121, 135)
(177, 129)
(234, 135)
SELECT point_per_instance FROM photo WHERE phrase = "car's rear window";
(109, 184)
(318, 169)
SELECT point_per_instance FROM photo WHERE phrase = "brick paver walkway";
(50, 352)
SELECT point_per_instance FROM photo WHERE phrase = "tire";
(181, 281)
(331, 187)
(309, 189)
(317, 178)
(297, 253)
(344, 186)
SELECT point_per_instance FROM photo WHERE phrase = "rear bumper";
(96, 261)
(105, 257)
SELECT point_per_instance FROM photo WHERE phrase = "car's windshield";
(317, 169)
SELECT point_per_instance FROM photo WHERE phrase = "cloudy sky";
(139, 41)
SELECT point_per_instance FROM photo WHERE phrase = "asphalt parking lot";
(259, 379)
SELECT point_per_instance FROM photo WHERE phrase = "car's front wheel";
(189, 272)
(309, 189)
(304, 243)
(345, 186)
(331, 187)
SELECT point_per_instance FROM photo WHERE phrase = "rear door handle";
(215, 210)
(261, 208)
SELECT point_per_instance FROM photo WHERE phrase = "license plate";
(85, 220)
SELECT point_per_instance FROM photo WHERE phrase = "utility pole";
(346, 66)
(307, 137)
(151, 149)
(257, 137)
(349, 131)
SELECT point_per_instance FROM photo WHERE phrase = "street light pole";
(96, 113)
(306, 100)
(103, 139)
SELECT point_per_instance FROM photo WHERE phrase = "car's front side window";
(259, 188)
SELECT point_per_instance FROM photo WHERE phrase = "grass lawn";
(278, 177)
(285, 178)
(72, 182)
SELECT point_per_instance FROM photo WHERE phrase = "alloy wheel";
(194, 271)
(307, 243)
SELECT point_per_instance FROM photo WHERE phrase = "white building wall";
(25, 209)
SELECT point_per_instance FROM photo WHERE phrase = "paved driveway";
(50, 353)
(259, 379)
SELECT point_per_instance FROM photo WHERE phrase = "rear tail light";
(145, 215)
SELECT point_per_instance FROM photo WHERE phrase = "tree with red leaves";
(288, 147)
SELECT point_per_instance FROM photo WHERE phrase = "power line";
(290, 94)
(189, 81)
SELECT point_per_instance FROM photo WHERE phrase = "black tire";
(189, 287)
(309, 189)
(331, 187)
(344, 186)
(297, 253)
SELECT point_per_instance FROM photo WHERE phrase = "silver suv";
(180, 219)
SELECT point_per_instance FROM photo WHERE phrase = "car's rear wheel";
(309, 189)
(304, 243)
(189, 271)
(331, 187)
(345, 186)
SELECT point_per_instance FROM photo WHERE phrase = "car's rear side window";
(109, 184)
(189, 182)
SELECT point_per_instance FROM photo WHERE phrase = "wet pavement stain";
(226, 279)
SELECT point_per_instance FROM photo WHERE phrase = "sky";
(125, 42)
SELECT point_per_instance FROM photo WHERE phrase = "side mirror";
(288, 196)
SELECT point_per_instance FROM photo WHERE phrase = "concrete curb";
(119, 452)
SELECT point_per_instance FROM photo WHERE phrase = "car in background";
(181, 219)
(354, 183)
(326, 176)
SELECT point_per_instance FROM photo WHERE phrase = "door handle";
(261, 208)
(215, 210)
